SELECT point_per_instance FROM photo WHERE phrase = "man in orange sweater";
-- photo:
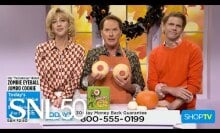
(175, 67)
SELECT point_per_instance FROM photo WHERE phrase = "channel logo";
(198, 116)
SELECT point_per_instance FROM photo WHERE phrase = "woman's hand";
(57, 103)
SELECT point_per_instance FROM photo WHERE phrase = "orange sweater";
(177, 66)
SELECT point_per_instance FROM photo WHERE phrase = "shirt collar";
(177, 42)
(53, 44)
(117, 53)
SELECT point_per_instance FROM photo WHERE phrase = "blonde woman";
(59, 61)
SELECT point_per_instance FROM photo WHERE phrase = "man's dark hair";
(112, 17)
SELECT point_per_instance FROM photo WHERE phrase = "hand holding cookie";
(101, 68)
(121, 71)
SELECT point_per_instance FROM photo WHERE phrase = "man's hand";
(179, 92)
(163, 103)
(125, 83)
(175, 104)
(94, 77)
(158, 88)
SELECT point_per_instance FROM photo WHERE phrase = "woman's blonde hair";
(67, 15)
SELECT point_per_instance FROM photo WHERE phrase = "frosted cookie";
(100, 67)
(121, 70)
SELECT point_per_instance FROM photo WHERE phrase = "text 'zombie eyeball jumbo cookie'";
(121, 70)
(100, 67)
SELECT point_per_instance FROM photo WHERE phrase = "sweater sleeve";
(152, 72)
(195, 71)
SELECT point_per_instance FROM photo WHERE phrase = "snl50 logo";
(198, 116)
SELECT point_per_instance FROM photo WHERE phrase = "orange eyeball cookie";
(121, 70)
(100, 67)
